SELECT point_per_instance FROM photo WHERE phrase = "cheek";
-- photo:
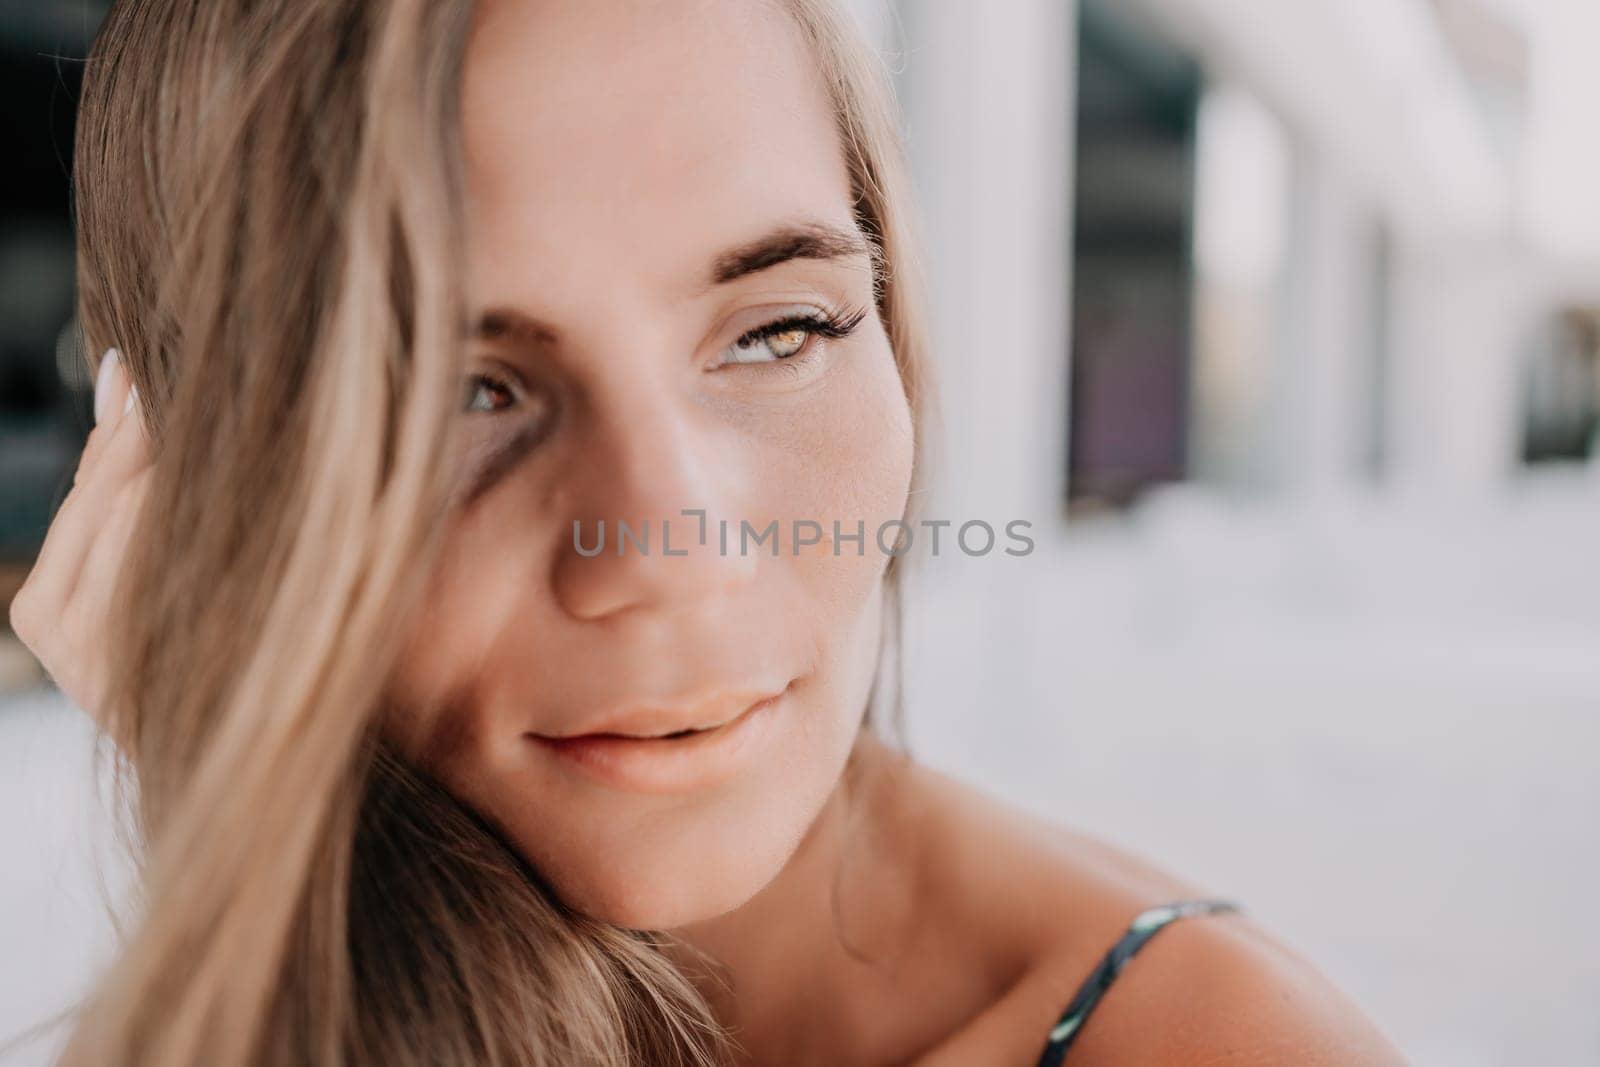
(856, 472)
(477, 593)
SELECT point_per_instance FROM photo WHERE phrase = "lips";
(670, 749)
(671, 720)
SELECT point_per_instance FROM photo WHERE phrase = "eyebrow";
(810, 240)
(806, 240)
(510, 325)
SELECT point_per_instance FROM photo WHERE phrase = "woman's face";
(677, 313)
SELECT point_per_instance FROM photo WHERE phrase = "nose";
(649, 495)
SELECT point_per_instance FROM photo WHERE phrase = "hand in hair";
(61, 611)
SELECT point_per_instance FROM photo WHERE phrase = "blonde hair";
(268, 204)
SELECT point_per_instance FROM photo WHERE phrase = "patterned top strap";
(1143, 928)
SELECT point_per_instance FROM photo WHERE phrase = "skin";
(617, 154)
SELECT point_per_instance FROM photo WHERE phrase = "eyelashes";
(788, 343)
(831, 326)
(788, 339)
(480, 384)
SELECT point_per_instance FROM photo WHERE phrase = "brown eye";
(787, 342)
(486, 394)
(770, 345)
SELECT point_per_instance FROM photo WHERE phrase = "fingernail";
(102, 382)
(133, 396)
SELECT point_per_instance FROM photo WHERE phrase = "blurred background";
(1281, 324)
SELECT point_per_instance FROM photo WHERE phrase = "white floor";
(62, 868)
(1374, 725)
(1377, 726)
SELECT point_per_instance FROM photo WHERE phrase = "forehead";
(635, 140)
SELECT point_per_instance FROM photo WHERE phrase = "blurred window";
(1137, 101)
(1243, 177)
(1561, 416)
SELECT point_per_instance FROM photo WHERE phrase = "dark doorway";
(1137, 104)
(44, 387)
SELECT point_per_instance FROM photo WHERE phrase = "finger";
(114, 399)
(87, 509)
(89, 585)
(110, 540)
(107, 388)
(66, 544)
(73, 637)
(89, 458)
(126, 450)
(87, 621)
(123, 452)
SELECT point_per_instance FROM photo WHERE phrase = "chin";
(673, 900)
(684, 861)
(680, 871)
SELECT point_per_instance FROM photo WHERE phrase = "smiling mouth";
(638, 759)
(670, 722)
(674, 735)
(679, 733)
(668, 735)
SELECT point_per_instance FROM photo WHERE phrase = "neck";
(819, 941)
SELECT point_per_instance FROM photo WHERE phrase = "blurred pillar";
(1462, 312)
(988, 92)
(987, 89)
(1328, 360)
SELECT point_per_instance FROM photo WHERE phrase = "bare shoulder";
(1205, 989)
(1222, 990)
